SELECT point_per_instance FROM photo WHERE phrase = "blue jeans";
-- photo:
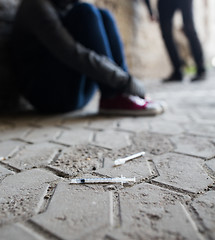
(57, 88)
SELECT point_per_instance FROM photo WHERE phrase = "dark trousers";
(57, 88)
(166, 9)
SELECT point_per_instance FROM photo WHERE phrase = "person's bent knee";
(106, 14)
(85, 10)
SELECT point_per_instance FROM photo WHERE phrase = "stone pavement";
(173, 198)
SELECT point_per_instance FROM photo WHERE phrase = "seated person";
(64, 50)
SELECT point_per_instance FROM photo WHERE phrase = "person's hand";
(154, 18)
(135, 87)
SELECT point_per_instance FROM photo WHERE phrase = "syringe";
(121, 161)
(103, 180)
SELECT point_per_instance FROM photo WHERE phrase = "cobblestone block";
(42, 134)
(175, 118)
(75, 137)
(75, 212)
(8, 148)
(201, 129)
(22, 194)
(111, 139)
(169, 128)
(194, 146)
(150, 143)
(75, 122)
(180, 110)
(35, 155)
(4, 172)
(18, 231)
(182, 172)
(139, 168)
(150, 212)
(205, 112)
(211, 165)
(13, 133)
(80, 159)
(136, 125)
(205, 206)
(9, 131)
(204, 121)
(102, 123)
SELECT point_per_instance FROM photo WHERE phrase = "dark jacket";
(39, 19)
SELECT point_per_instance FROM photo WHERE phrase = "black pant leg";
(186, 7)
(166, 10)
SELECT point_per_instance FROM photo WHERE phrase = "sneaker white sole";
(145, 112)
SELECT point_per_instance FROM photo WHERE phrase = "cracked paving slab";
(111, 139)
(80, 159)
(18, 231)
(142, 168)
(199, 129)
(205, 206)
(83, 211)
(9, 132)
(136, 125)
(22, 194)
(151, 212)
(182, 172)
(139, 168)
(148, 142)
(168, 128)
(9, 148)
(211, 165)
(34, 155)
(75, 137)
(75, 122)
(37, 135)
(103, 123)
(4, 172)
(195, 146)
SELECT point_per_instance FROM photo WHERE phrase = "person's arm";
(44, 23)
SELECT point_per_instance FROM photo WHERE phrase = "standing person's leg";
(190, 31)
(166, 10)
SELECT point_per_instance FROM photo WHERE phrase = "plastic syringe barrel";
(103, 180)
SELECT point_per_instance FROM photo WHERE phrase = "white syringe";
(121, 180)
(121, 161)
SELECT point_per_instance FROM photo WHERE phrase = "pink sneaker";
(129, 105)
